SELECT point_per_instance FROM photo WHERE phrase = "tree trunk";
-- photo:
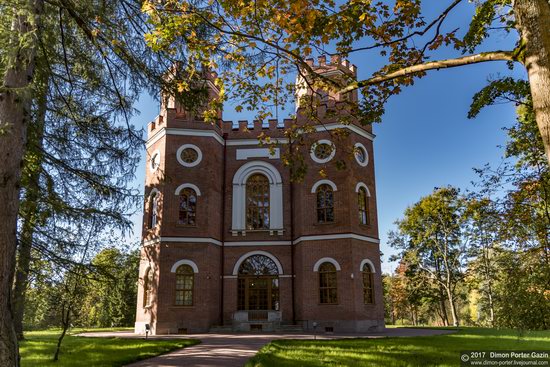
(451, 299)
(29, 214)
(14, 117)
(533, 24)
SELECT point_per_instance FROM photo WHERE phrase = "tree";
(512, 217)
(17, 66)
(110, 297)
(431, 239)
(87, 62)
(258, 43)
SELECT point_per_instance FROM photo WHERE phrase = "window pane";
(187, 207)
(257, 202)
(328, 290)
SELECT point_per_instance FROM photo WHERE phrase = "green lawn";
(442, 350)
(39, 347)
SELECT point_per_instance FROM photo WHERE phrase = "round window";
(322, 151)
(361, 155)
(189, 155)
(155, 161)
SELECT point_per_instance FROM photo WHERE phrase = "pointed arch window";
(368, 282)
(325, 204)
(153, 207)
(363, 198)
(328, 288)
(185, 283)
(148, 288)
(257, 202)
(187, 207)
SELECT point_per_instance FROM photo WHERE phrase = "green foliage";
(500, 90)
(442, 350)
(523, 298)
(38, 348)
(111, 295)
(106, 296)
(487, 12)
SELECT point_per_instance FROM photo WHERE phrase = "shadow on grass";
(38, 350)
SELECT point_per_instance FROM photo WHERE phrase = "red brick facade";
(218, 239)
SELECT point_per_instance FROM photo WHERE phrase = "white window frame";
(275, 196)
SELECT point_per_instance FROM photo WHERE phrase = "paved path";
(232, 350)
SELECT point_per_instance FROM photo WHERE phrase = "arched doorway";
(258, 284)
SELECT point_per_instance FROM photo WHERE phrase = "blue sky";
(425, 139)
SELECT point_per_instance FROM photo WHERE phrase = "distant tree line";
(106, 297)
(480, 257)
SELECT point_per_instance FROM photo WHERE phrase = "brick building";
(229, 240)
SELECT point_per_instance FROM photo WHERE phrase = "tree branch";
(440, 64)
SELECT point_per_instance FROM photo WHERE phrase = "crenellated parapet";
(336, 63)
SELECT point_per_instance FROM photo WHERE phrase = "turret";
(338, 70)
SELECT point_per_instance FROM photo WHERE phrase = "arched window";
(362, 196)
(257, 202)
(184, 285)
(258, 284)
(325, 204)
(328, 289)
(147, 287)
(188, 207)
(153, 210)
(368, 289)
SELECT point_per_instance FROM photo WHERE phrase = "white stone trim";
(323, 182)
(154, 191)
(336, 237)
(362, 147)
(351, 127)
(189, 146)
(212, 134)
(275, 194)
(257, 243)
(244, 154)
(262, 243)
(185, 240)
(188, 186)
(256, 142)
(156, 152)
(318, 142)
(362, 184)
(367, 261)
(326, 260)
(259, 252)
(185, 262)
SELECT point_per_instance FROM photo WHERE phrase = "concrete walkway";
(232, 350)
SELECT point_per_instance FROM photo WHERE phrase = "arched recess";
(154, 191)
(252, 253)
(188, 186)
(326, 260)
(362, 184)
(323, 182)
(371, 265)
(185, 262)
(275, 194)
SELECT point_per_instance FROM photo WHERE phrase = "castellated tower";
(230, 243)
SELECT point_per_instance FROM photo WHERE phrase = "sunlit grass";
(39, 347)
(441, 350)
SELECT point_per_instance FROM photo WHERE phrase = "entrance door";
(258, 284)
(258, 293)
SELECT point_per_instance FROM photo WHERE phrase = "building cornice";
(216, 242)
(254, 142)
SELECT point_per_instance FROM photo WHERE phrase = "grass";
(39, 347)
(441, 350)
